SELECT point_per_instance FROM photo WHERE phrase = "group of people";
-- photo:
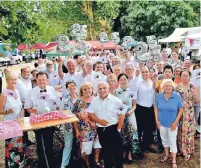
(159, 98)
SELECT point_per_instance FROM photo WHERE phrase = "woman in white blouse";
(11, 108)
(129, 129)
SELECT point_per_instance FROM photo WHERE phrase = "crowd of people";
(163, 106)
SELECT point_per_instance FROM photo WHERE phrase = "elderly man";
(78, 77)
(42, 99)
(116, 61)
(133, 76)
(24, 85)
(109, 124)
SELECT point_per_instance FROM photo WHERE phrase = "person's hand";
(60, 60)
(10, 111)
(103, 122)
(195, 91)
(129, 113)
(173, 126)
(77, 134)
(34, 111)
(158, 124)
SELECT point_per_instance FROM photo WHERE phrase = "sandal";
(187, 157)
(174, 165)
(165, 159)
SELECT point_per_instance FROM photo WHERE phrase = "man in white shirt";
(24, 85)
(133, 76)
(42, 99)
(109, 124)
(77, 77)
(41, 66)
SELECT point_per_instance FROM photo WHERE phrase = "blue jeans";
(68, 141)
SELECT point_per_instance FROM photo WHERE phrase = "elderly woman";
(11, 108)
(186, 132)
(87, 130)
(112, 82)
(177, 76)
(129, 129)
(67, 104)
(117, 70)
(168, 111)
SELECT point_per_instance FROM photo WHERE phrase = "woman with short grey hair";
(168, 111)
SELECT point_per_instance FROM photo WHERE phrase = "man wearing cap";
(53, 77)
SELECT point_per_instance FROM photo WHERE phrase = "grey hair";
(167, 81)
(129, 64)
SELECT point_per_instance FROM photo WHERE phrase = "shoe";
(130, 162)
(149, 149)
(160, 149)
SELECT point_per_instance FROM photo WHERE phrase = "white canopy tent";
(179, 35)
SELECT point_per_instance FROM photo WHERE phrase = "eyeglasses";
(184, 76)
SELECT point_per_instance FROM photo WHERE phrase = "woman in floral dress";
(187, 128)
(87, 129)
(11, 108)
(129, 129)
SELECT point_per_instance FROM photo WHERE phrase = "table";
(27, 126)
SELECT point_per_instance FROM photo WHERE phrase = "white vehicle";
(16, 56)
(4, 61)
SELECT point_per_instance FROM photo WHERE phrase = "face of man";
(159, 67)
(129, 71)
(89, 67)
(115, 61)
(103, 90)
(25, 73)
(187, 64)
(167, 74)
(42, 81)
(50, 67)
(78, 60)
(71, 67)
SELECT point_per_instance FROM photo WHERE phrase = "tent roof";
(178, 35)
(194, 36)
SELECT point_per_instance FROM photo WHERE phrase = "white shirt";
(53, 78)
(103, 109)
(133, 83)
(76, 77)
(12, 103)
(145, 93)
(23, 86)
(42, 101)
(41, 67)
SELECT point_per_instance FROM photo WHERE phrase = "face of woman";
(71, 88)
(117, 71)
(185, 78)
(174, 56)
(12, 81)
(145, 73)
(87, 91)
(99, 68)
(168, 87)
(123, 81)
(177, 72)
(111, 83)
(151, 73)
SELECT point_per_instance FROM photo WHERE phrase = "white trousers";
(169, 138)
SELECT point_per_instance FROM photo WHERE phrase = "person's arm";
(31, 110)
(5, 112)
(94, 118)
(77, 132)
(195, 92)
(60, 70)
(132, 109)
(156, 117)
(174, 124)
(120, 122)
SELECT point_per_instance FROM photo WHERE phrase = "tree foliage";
(43, 21)
(158, 18)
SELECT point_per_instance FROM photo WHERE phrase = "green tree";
(157, 18)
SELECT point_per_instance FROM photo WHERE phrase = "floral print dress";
(187, 127)
(129, 128)
(14, 148)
